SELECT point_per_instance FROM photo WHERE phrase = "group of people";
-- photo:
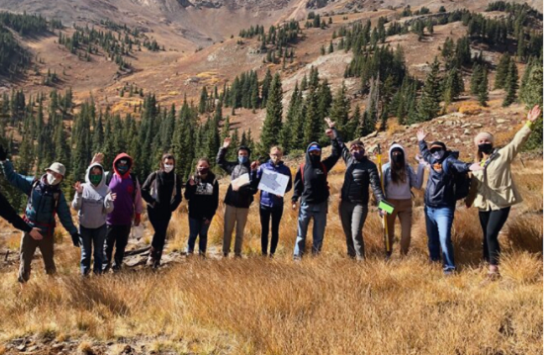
(110, 203)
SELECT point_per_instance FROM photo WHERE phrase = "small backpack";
(461, 181)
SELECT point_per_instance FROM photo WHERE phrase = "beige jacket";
(493, 188)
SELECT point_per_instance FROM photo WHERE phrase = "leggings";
(492, 223)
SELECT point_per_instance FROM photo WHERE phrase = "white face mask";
(51, 179)
(168, 167)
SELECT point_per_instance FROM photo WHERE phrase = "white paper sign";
(240, 181)
(273, 182)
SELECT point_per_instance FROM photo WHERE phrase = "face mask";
(486, 148)
(398, 158)
(122, 169)
(242, 159)
(276, 160)
(52, 180)
(95, 179)
(438, 154)
(315, 158)
(359, 154)
(168, 167)
(203, 171)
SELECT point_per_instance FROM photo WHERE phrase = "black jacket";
(203, 197)
(440, 191)
(359, 175)
(167, 196)
(314, 188)
(9, 214)
(244, 196)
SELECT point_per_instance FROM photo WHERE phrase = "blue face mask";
(438, 154)
(122, 169)
(242, 159)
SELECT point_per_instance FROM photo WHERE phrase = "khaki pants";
(403, 209)
(238, 216)
(28, 248)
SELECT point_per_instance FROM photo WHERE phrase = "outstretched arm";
(512, 149)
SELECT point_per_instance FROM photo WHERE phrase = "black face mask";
(315, 158)
(398, 158)
(486, 148)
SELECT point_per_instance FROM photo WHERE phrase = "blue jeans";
(197, 227)
(439, 222)
(92, 238)
(319, 214)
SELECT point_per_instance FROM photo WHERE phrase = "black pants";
(115, 236)
(492, 223)
(159, 220)
(266, 213)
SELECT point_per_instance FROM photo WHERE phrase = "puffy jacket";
(44, 201)
(162, 191)
(268, 199)
(360, 174)
(94, 203)
(494, 188)
(313, 188)
(244, 196)
(440, 191)
(401, 191)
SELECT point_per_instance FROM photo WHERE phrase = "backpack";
(109, 176)
(461, 181)
(301, 167)
(56, 197)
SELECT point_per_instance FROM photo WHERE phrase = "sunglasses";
(436, 150)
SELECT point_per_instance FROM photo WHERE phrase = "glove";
(3, 153)
(75, 239)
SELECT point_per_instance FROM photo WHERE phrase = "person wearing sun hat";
(45, 200)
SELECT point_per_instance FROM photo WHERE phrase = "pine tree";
(270, 133)
(453, 86)
(476, 79)
(311, 126)
(483, 93)
(502, 71)
(511, 85)
(429, 104)
(532, 95)
(340, 110)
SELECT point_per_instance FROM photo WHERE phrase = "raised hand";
(421, 135)
(98, 158)
(78, 187)
(330, 123)
(226, 142)
(330, 133)
(192, 181)
(534, 113)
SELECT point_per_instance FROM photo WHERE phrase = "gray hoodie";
(94, 203)
(402, 191)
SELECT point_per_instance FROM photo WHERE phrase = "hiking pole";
(384, 218)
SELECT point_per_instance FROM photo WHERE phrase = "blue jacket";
(40, 208)
(268, 199)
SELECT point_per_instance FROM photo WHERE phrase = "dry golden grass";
(323, 305)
